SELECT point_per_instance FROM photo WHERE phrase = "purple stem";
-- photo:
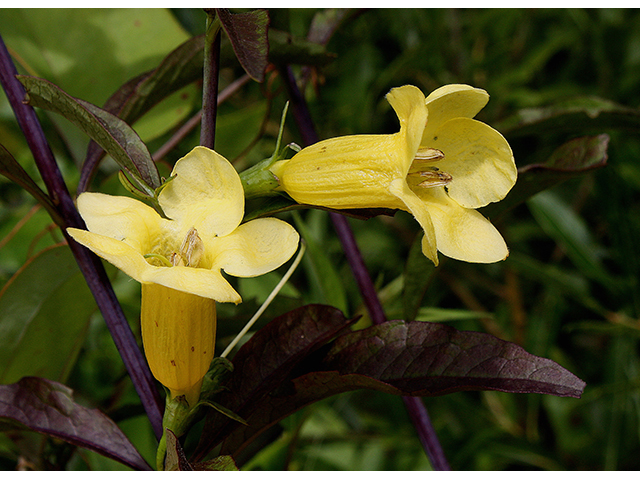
(415, 406)
(211, 69)
(89, 264)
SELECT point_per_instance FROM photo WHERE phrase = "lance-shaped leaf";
(247, 33)
(48, 407)
(428, 359)
(111, 133)
(285, 49)
(263, 363)
(580, 115)
(44, 314)
(418, 272)
(573, 158)
(10, 168)
(136, 97)
(417, 359)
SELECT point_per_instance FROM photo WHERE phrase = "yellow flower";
(178, 260)
(439, 170)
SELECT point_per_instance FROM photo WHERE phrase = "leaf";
(247, 33)
(180, 68)
(112, 134)
(326, 281)
(44, 312)
(418, 272)
(47, 407)
(325, 23)
(428, 359)
(223, 463)
(573, 116)
(176, 459)
(570, 231)
(136, 97)
(262, 364)
(11, 169)
(89, 52)
(417, 359)
(573, 158)
(287, 49)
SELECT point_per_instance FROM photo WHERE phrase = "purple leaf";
(428, 359)
(417, 359)
(247, 33)
(267, 359)
(113, 134)
(47, 407)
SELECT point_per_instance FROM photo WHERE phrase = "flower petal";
(178, 334)
(478, 158)
(452, 101)
(462, 233)
(121, 218)
(409, 104)
(256, 247)
(198, 281)
(344, 172)
(117, 252)
(419, 210)
(206, 194)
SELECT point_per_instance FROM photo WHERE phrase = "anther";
(425, 154)
(434, 178)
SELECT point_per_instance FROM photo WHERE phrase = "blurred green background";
(569, 290)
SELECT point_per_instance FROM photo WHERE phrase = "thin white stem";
(266, 303)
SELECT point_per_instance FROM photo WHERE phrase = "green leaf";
(418, 272)
(323, 275)
(247, 33)
(575, 157)
(580, 115)
(287, 49)
(176, 459)
(48, 407)
(11, 169)
(223, 463)
(44, 313)
(180, 68)
(140, 94)
(90, 52)
(111, 133)
(570, 231)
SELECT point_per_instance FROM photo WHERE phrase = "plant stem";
(89, 264)
(211, 72)
(415, 406)
(184, 130)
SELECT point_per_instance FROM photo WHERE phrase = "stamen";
(434, 178)
(425, 154)
(176, 260)
(192, 248)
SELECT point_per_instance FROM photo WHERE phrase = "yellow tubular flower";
(179, 260)
(439, 170)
